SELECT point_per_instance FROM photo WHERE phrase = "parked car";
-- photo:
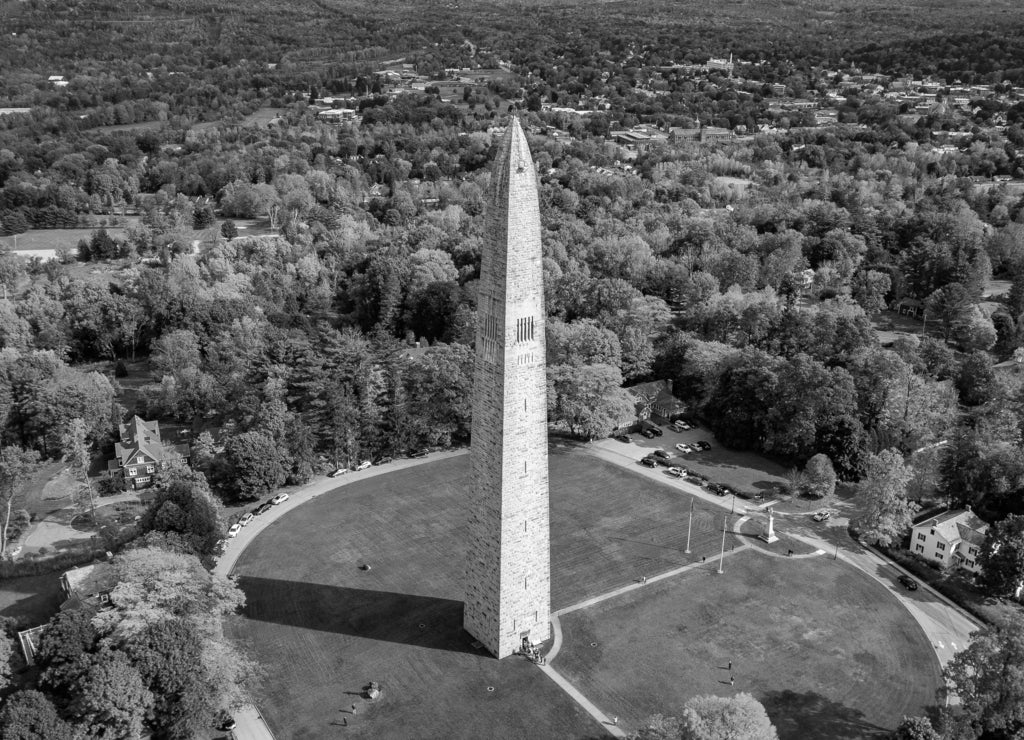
(701, 445)
(908, 583)
(648, 433)
(822, 516)
(339, 471)
(696, 480)
(681, 426)
(622, 438)
(662, 453)
(417, 453)
(726, 491)
(716, 489)
(656, 431)
(234, 529)
(279, 499)
(246, 518)
(677, 472)
(363, 465)
(683, 447)
(262, 509)
(383, 460)
(650, 462)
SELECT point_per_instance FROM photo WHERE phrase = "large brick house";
(141, 452)
(655, 398)
(953, 538)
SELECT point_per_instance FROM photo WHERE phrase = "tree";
(8, 651)
(113, 701)
(588, 399)
(253, 465)
(183, 504)
(1002, 557)
(975, 379)
(30, 715)
(78, 456)
(65, 649)
(229, 230)
(168, 656)
(988, 680)
(154, 585)
(16, 467)
(887, 513)
(915, 728)
(709, 717)
(820, 477)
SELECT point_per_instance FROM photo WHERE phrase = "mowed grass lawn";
(827, 651)
(323, 628)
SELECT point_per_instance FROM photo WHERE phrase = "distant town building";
(141, 453)
(337, 116)
(953, 538)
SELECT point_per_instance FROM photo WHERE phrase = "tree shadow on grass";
(810, 716)
(423, 621)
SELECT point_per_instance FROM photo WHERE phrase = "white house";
(952, 538)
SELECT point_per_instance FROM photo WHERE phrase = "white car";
(234, 529)
(339, 471)
(682, 447)
(677, 472)
(681, 426)
(363, 465)
(246, 518)
(279, 499)
(822, 516)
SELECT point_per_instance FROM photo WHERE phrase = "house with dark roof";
(953, 538)
(141, 452)
(655, 398)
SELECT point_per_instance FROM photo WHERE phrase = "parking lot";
(747, 473)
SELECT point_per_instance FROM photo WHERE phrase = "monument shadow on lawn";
(358, 612)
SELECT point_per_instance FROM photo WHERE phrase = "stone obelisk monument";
(508, 589)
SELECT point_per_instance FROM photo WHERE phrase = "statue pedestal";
(769, 534)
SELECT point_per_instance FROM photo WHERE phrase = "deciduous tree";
(988, 680)
(883, 489)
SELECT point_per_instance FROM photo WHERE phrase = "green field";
(827, 651)
(323, 628)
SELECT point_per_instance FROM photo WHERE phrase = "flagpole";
(689, 528)
(722, 558)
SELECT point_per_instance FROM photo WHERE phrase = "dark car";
(650, 462)
(656, 431)
(262, 509)
(648, 433)
(417, 453)
(622, 438)
(701, 445)
(663, 454)
(383, 460)
(695, 480)
(908, 583)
